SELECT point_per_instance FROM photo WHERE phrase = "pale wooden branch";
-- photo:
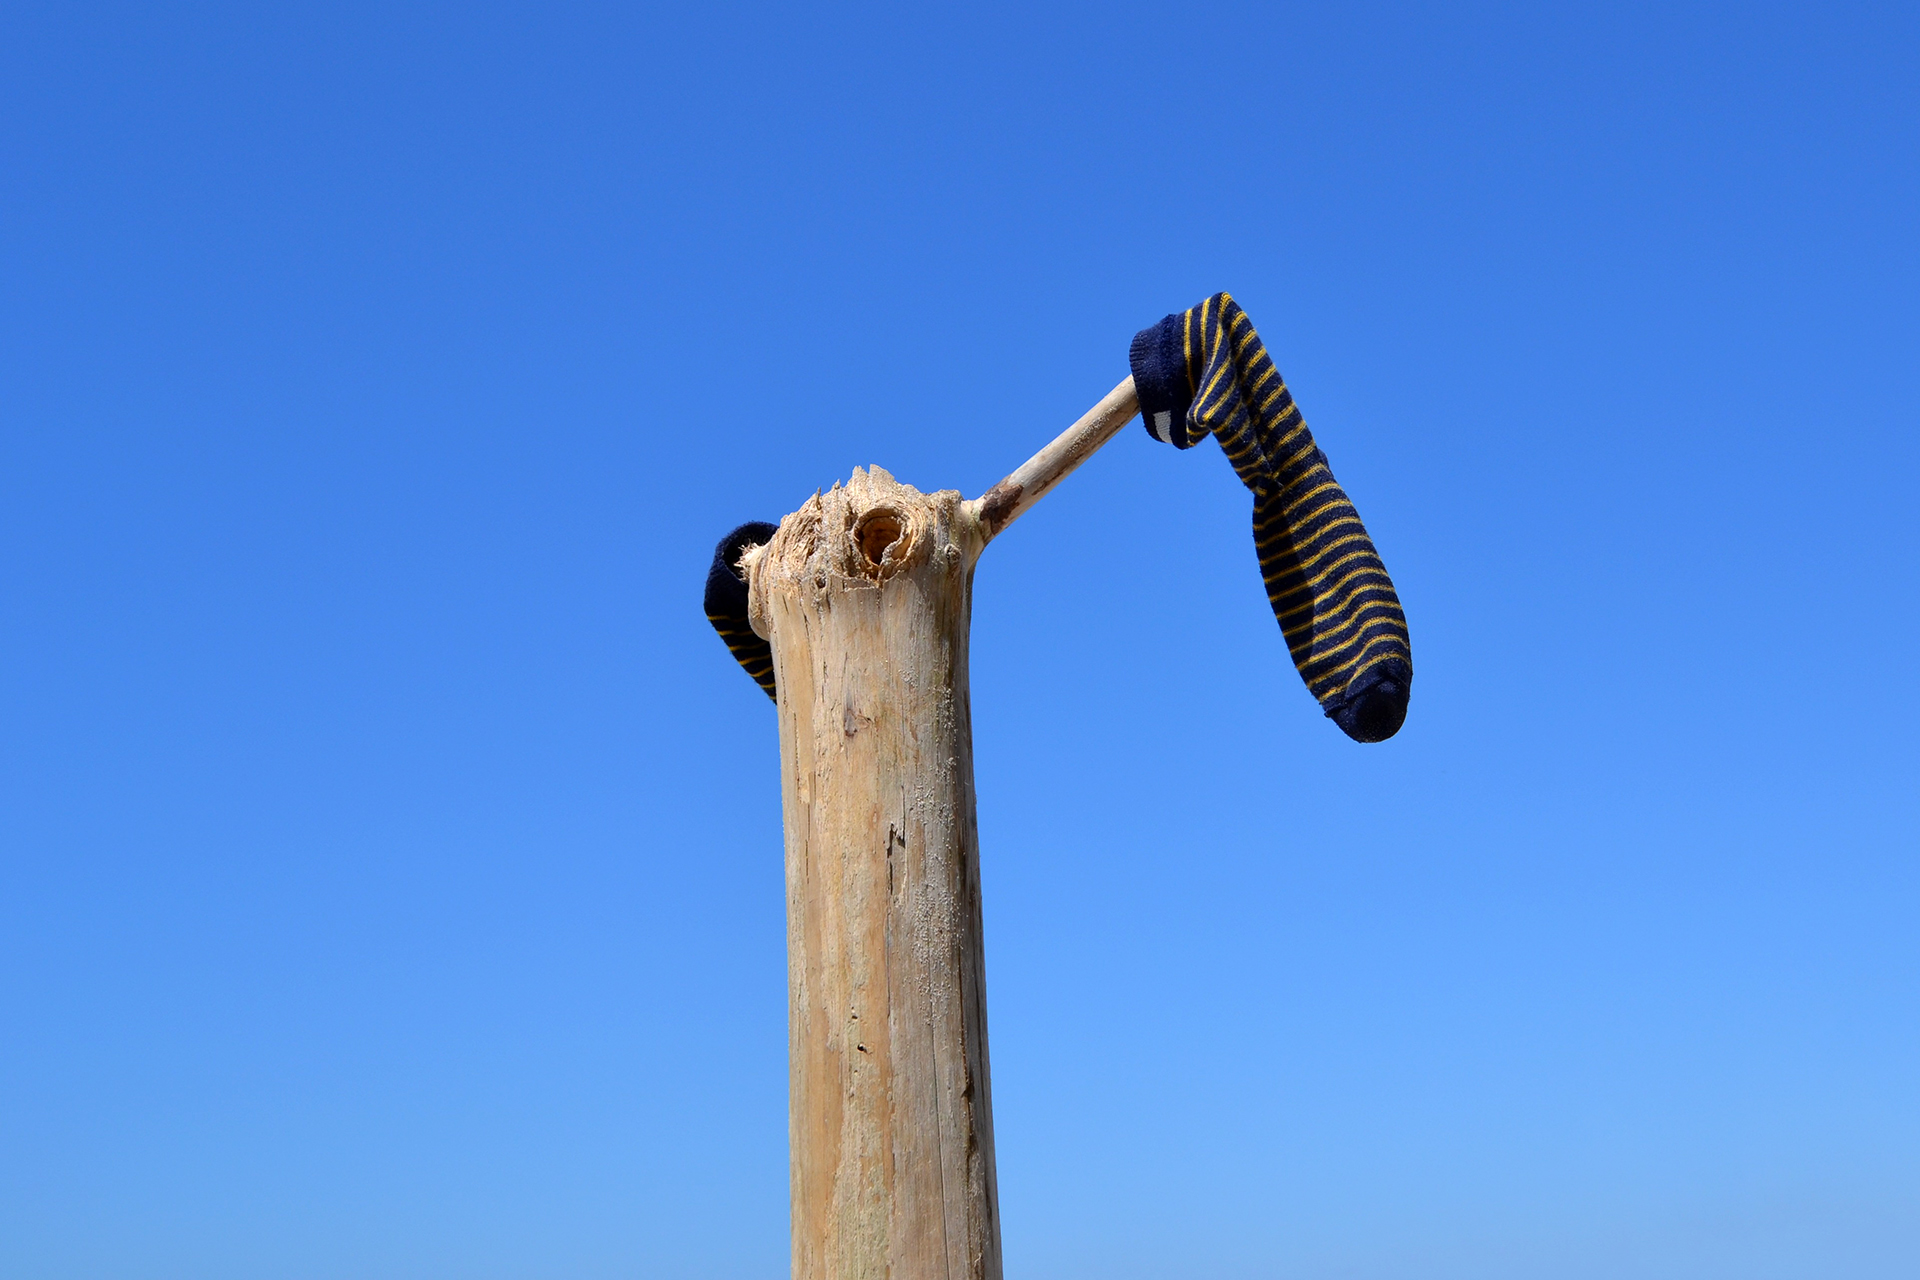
(1007, 501)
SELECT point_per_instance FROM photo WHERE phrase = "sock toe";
(1375, 706)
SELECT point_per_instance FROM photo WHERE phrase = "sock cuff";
(1158, 357)
(726, 602)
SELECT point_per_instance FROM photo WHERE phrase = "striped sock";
(1206, 371)
(727, 602)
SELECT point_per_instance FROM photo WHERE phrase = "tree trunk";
(865, 594)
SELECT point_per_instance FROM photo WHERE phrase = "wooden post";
(865, 594)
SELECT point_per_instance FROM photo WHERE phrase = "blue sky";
(390, 854)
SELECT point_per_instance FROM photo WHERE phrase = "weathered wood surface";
(865, 594)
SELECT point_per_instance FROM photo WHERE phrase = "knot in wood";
(883, 540)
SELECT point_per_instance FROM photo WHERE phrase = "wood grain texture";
(865, 595)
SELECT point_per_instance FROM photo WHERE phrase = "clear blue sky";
(390, 872)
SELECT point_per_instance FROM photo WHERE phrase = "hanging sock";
(727, 602)
(1206, 371)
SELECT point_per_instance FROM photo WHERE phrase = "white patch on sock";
(1163, 426)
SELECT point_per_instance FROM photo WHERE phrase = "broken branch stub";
(1035, 478)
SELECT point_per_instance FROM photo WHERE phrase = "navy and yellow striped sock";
(727, 602)
(1206, 371)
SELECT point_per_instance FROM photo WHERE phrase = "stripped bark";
(865, 595)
